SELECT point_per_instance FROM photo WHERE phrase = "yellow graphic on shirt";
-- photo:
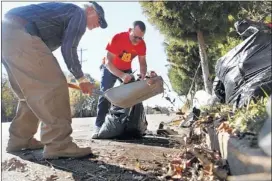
(126, 57)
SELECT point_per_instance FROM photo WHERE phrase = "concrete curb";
(225, 143)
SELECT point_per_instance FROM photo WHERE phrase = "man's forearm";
(143, 67)
(111, 67)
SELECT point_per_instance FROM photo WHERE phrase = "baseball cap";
(100, 12)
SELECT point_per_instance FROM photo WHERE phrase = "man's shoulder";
(58, 4)
(120, 35)
(46, 6)
(70, 5)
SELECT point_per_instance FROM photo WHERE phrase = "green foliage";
(182, 19)
(187, 21)
(180, 83)
(82, 105)
(183, 60)
(251, 118)
(9, 100)
(227, 45)
(256, 10)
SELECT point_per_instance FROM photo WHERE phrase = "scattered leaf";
(51, 178)
(208, 169)
(14, 164)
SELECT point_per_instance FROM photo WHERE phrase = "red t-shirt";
(124, 50)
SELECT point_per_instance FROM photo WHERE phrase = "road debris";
(51, 178)
(14, 164)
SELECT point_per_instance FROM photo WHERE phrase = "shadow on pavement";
(85, 168)
(152, 141)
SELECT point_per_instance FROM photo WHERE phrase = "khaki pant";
(36, 77)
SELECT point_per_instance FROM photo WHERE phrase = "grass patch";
(250, 118)
(245, 119)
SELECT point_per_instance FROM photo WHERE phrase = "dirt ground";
(112, 160)
(119, 160)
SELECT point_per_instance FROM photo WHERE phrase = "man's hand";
(152, 74)
(126, 78)
(87, 87)
(142, 76)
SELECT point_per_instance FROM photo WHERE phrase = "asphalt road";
(83, 127)
(116, 158)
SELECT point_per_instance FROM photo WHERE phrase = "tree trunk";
(204, 62)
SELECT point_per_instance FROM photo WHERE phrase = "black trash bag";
(219, 90)
(124, 123)
(245, 28)
(244, 73)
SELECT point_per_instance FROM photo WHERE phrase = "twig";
(154, 154)
(194, 79)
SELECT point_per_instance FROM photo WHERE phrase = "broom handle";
(73, 86)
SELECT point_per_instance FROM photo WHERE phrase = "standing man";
(122, 49)
(29, 35)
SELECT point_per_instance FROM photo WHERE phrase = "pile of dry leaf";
(195, 162)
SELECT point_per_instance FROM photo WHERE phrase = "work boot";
(32, 144)
(70, 150)
(96, 132)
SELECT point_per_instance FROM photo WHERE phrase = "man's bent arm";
(111, 67)
(143, 65)
(76, 28)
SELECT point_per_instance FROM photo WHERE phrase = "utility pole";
(81, 61)
(81, 52)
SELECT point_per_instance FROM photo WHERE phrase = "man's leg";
(25, 123)
(44, 87)
(107, 81)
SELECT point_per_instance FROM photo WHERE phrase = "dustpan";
(128, 95)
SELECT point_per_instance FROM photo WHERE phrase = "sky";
(120, 16)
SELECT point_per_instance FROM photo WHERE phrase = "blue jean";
(107, 81)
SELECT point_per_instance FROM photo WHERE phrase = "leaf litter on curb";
(197, 162)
